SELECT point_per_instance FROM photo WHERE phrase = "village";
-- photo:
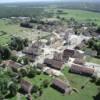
(50, 57)
(49, 51)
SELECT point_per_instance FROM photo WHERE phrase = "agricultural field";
(80, 15)
(14, 29)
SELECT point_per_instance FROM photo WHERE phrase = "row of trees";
(19, 11)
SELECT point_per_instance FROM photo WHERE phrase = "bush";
(45, 83)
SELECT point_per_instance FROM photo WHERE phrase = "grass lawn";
(76, 81)
(4, 39)
(81, 15)
(93, 60)
(16, 30)
(38, 79)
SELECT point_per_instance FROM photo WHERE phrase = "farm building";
(32, 52)
(61, 86)
(38, 44)
(54, 64)
(13, 65)
(79, 61)
(58, 57)
(72, 53)
(26, 87)
(78, 54)
(82, 70)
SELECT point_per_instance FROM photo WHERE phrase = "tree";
(26, 25)
(3, 88)
(25, 41)
(13, 89)
(94, 44)
(5, 52)
(18, 43)
(45, 83)
(98, 30)
(14, 58)
(25, 60)
(22, 72)
(36, 88)
(32, 72)
(97, 48)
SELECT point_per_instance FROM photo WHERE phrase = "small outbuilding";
(73, 54)
(82, 70)
(61, 86)
(13, 65)
(26, 86)
(54, 64)
(79, 61)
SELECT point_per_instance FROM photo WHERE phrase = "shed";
(61, 86)
(58, 57)
(54, 63)
(68, 53)
(26, 87)
(13, 65)
(79, 61)
(82, 70)
(72, 53)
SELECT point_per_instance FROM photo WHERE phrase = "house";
(26, 87)
(61, 86)
(82, 70)
(13, 65)
(79, 61)
(32, 52)
(38, 44)
(78, 54)
(58, 57)
(72, 53)
(68, 53)
(54, 64)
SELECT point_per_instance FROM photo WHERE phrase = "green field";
(93, 60)
(76, 81)
(12, 28)
(81, 15)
